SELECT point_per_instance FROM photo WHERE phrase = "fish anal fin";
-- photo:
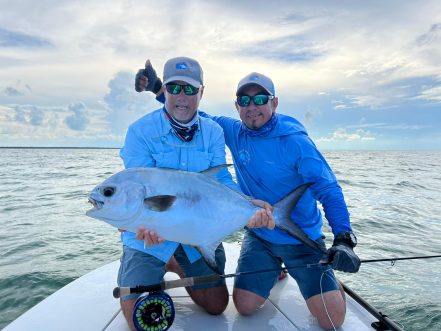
(208, 253)
(159, 202)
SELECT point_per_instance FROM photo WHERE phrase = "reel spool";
(153, 312)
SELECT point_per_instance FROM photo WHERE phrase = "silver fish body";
(186, 207)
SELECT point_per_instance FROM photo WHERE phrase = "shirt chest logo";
(244, 157)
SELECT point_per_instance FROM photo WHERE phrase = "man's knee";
(246, 302)
(332, 313)
(213, 300)
(327, 324)
(217, 307)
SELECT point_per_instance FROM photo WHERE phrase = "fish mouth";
(97, 205)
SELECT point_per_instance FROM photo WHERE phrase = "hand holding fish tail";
(262, 204)
(262, 218)
(150, 237)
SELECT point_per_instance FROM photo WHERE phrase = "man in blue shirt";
(175, 136)
(273, 155)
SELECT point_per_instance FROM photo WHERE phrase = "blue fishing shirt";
(272, 161)
(151, 142)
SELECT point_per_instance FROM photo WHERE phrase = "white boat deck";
(87, 304)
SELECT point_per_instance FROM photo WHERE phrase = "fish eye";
(108, 191)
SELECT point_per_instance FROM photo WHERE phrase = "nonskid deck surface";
(87, 304)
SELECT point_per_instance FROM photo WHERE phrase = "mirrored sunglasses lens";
(243, 100)
(173, 88)
(260, 99)
(190, 90)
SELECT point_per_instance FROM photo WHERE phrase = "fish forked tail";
(282, 215)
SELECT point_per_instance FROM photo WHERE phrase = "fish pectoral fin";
(159, 202)
(208, 253)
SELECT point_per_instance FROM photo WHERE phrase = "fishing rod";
(196, 280)
(401, 258)
(202, 280)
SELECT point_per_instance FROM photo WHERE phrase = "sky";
(357, 74)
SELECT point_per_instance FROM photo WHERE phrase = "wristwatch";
(348, 238)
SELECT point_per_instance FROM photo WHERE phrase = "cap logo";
(254, 77)
(181, 66)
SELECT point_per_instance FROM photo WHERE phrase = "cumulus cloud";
(12, 92)
(124, 104)
(78, 120)
(37, 116)
(343, 134)
(17, 90)
(29, 114)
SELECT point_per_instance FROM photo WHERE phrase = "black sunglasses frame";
(175, 89)
(258, 99)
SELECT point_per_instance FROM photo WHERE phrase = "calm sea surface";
(46, 241)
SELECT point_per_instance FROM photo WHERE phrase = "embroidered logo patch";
(244, 156)
(181, 66)
(254, 77)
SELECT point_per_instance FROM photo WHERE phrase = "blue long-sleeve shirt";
(271, 162)
(151, 142)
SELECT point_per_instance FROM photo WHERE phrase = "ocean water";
(46, 241)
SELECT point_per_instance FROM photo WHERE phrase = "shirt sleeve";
(135, 152)
(224, 121)
(161, 98)
(313, 168)
(230, 126)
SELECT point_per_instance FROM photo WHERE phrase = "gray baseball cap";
(255, 78)
(185, 69)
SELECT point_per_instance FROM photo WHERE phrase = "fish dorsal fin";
(159, 202)
(213, 171)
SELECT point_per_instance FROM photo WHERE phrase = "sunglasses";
(259, 100)
(177, 88)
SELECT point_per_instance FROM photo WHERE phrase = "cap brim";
(188, 80)
(240, 89)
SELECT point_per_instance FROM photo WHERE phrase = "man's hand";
(343, 258)
(147, 80)
(150, 237)
(262, 217)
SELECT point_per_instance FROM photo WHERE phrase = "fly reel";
(153, 312)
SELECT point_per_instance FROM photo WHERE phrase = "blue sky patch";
(10, 38)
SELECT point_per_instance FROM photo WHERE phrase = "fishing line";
(323, 298)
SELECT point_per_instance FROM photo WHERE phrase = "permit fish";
(191, 208)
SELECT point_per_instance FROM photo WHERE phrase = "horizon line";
(322, 149)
